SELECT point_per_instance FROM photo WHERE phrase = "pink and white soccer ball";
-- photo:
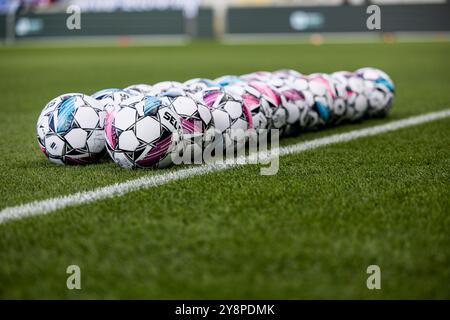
(145, 132)
(338, 96)
(256, 76)
(231, 117)
(318, 99)
(253, 100)
(266, 77)
(196, 121)
(379, 90)
(70, 129)
(167, 86)
(356, 100)
(295, 104)
(279, 114)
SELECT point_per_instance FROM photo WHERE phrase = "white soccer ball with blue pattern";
(227, 80)
(379, 90)
(167, 86)
(145, 132)
(111, 98)
(70, 129)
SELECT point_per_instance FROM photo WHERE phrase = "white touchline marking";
(118, 189)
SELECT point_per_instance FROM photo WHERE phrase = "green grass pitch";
(308, 232)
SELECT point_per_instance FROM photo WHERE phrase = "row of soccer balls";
(142, 125)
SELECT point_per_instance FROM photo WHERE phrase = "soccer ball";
(338, 95)
(318, 99)
(266, 77)
(167, 86)
(70, 129)
(287, 74)
(356, 105)
(295, 104)
(198, 84)
(253, 100)
(196, 122)
(379, 90)
(145, 132)
(256, 76)
(279, 113)
(137, 89)
(111, 98)
(104, 92)
(231, 117)
(227, 80)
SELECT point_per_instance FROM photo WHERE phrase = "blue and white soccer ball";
(110, 99)
(70, 129)
(167, 86)
(379, 90)
(227, 80)
(145, 132)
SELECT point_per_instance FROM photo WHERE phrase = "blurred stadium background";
(132, 21)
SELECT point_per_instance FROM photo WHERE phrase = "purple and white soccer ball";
(356, 100)
(196, 121)
(145, 132)
(198, 84)
(231, 117)
(70, 129)
(379, 90)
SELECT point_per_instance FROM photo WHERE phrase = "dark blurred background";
(129, 21)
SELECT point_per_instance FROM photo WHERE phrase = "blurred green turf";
(308, 232)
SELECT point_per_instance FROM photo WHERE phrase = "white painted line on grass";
(118, 189)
